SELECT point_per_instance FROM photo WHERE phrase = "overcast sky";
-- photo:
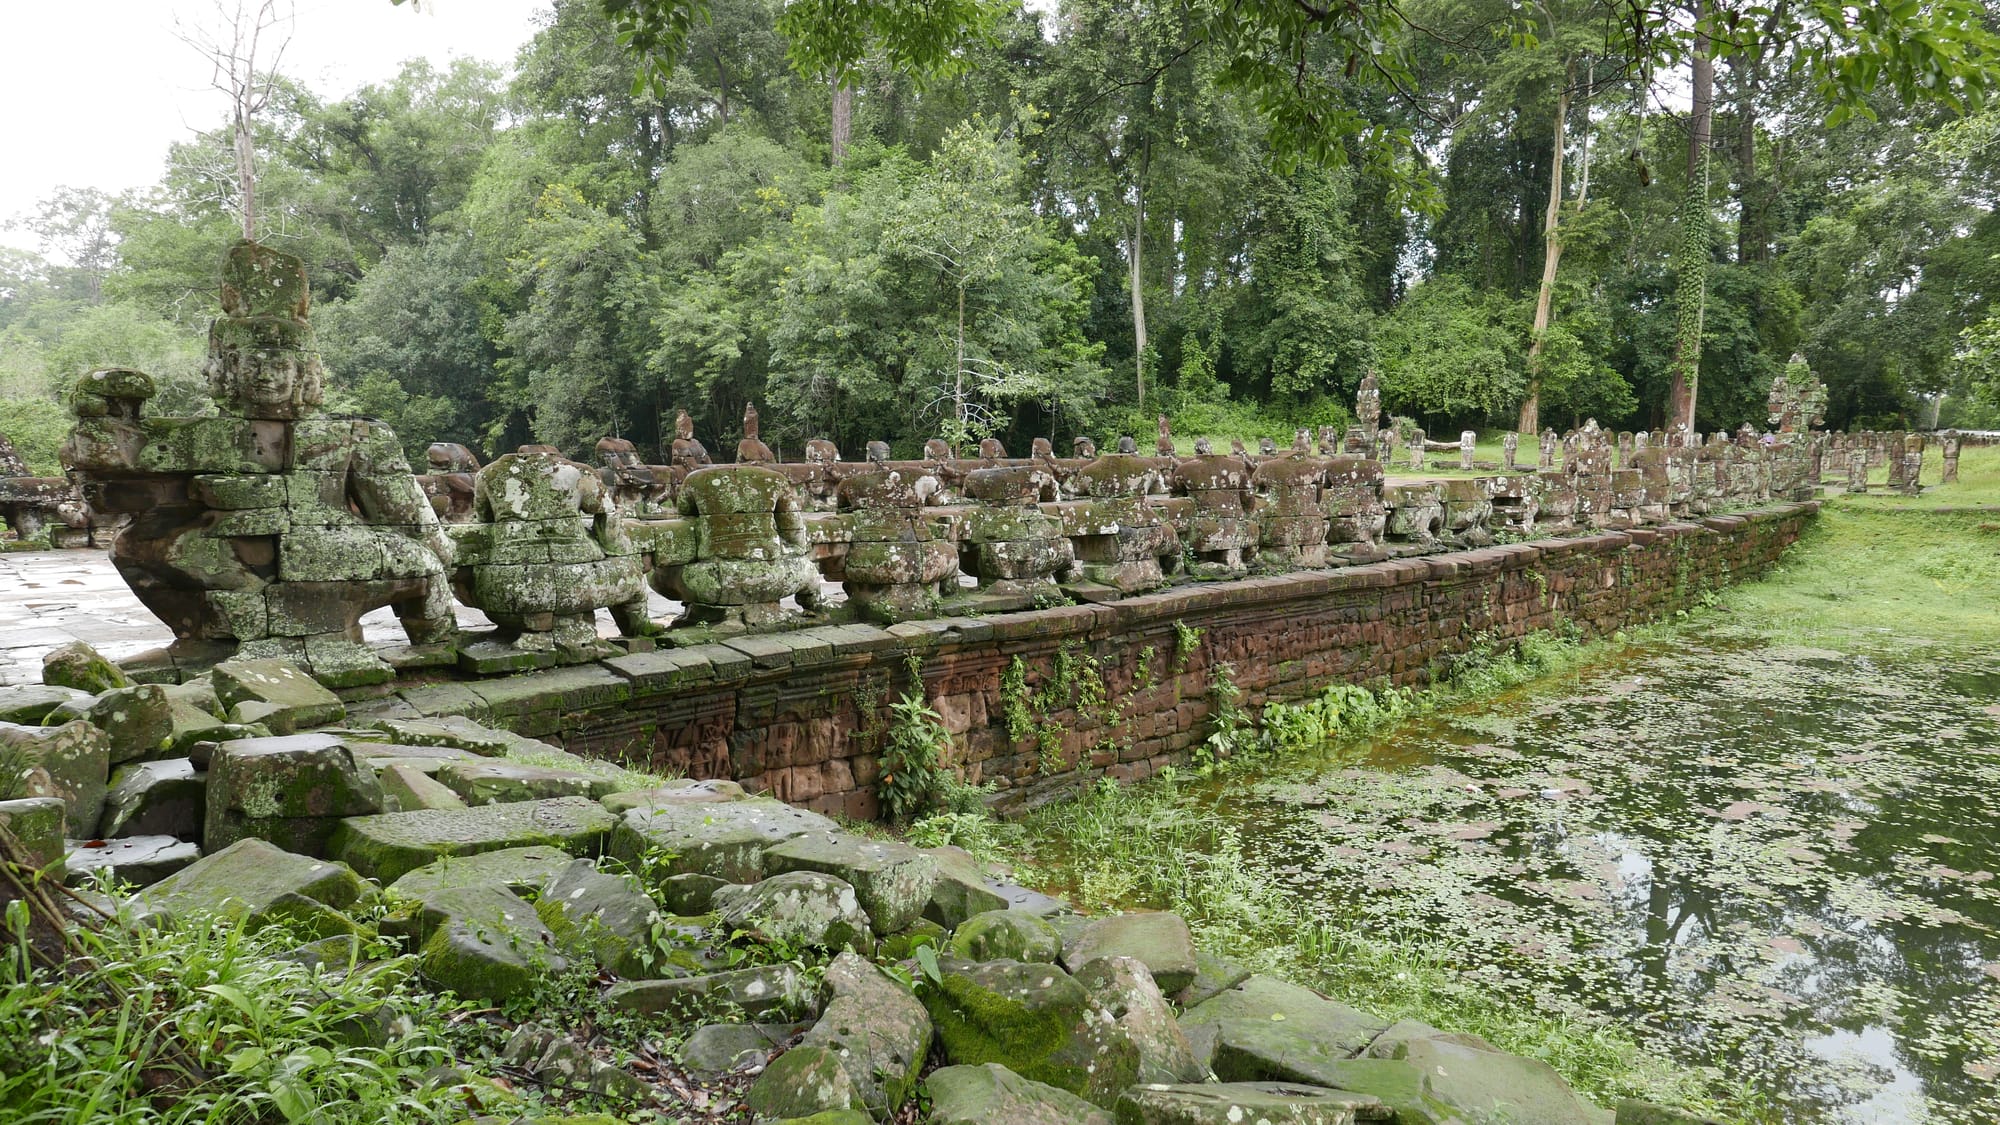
(95, 90)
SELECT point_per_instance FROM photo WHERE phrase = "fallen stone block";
(36, 823)
(756, 992)
(406, 788)
(722, 1048)
(1036, 1021)
(603, 918)
(1266, 1029)
(798, 906)
(682, 792)
(163, 798)
(800, 1083)
(962, 888)
(517, 869)
(1006, 935)
(138, 860)
(892, 881)
(991, 1094)
(30, 704)
(277, 693)
(1161, 941)
(1469, 1076)
(77, 665)
(388, 845)
(483, 782)
(71, 762)
(878, 1030)
(138, 722)
(293, 790)
(252, 882)
(1123, 987)
(485, 944)
(725, 840)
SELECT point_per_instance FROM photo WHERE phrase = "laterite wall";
(799, 714)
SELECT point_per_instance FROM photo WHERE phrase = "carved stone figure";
(547, 554)
(750, 552)
(1510, 450)
(1221, 529)
(1015, 550)
(895, 565)
(1121, 540)
(752, 450)
(1468, 440)
(269, 529)
(687, 453)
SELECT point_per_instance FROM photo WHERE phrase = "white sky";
(93, 91)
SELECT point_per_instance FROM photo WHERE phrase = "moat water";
(1781, 862)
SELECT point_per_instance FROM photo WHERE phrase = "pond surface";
(1774, 860)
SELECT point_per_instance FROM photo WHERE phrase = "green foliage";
(1447, 353)
(37, 427)
(210, 1023)
(915, 780)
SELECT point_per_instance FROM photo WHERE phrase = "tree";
(244, 48)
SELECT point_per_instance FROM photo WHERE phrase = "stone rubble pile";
(834, 974)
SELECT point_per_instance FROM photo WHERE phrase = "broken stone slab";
(1009, 935)
(30, 704)
(1036, 1021)
(1469, 1076)
(71, 762)
(1123, 987)
(485, 943)
(800, 1083)
(604, 918)
(452, 731)
(962, 888)
(1159, 940)
(1212, 976)
(716, 1049)
(36, 823)
(1396, 1084)
(406, 788)
(725, 840)
(252, 882)
(878, 1030)
(138, 722)
(163, 798)
(1230, 1103)
(892, 881)
(754, 993)
(682, 792)
(991, 1094)
(690, 893)
(517, 869)
(290, 789)
(139, 860)
(499, 783)
(389, 845)
(275, 692)
(798, 906)
(77, 665)
(379, 756)
(1266, 1029)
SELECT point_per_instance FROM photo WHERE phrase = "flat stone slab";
(389, 845)
(1270, 1030)
(684, 792)
(139, 860)
(517, 869)
(499, 783)
(250, 878)
(725, 840)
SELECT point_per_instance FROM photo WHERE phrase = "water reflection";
(1779, 861)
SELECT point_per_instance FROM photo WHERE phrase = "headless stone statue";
(1510, 450)
(270, 529)
(1163, 443)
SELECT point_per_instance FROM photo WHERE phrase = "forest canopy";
(1017, 223)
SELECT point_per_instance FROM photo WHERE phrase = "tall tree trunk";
(1751, 245)
(246, 173)
(1691, 286)
(958, 375)
(843, 120)
(1135, 247)
(1531, 406)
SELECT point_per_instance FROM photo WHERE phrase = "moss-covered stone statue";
(547, 552)
(750, 553)
(269, 529)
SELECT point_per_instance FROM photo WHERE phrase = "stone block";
(290, 789)
(71, 762)
(892, 881)
(138, 860)
(253, 881)
(1036, 1021)
(406, 788)
(389, 845)
(37, 825)
(725, 840)
(991, 1094)
(486, 782)
(797, 907)
(163, 798)
(31, 704)
(1160, 941)
(756, 992)
(291, 698)
(1228, 1103)
(79, 666)
(486, 944)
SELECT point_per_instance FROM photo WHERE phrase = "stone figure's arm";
(385, 492)
(789, 515)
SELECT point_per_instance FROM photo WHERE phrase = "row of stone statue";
(271, 527)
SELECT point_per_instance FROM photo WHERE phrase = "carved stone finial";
(1082, 447)
(1163, 444)
(1127, 444)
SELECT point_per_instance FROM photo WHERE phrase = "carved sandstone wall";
(797, 713)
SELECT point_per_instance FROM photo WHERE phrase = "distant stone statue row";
(271, 528)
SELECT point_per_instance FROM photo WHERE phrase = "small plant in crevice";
(1229, 725)
(915, 780)
(1187, 639)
